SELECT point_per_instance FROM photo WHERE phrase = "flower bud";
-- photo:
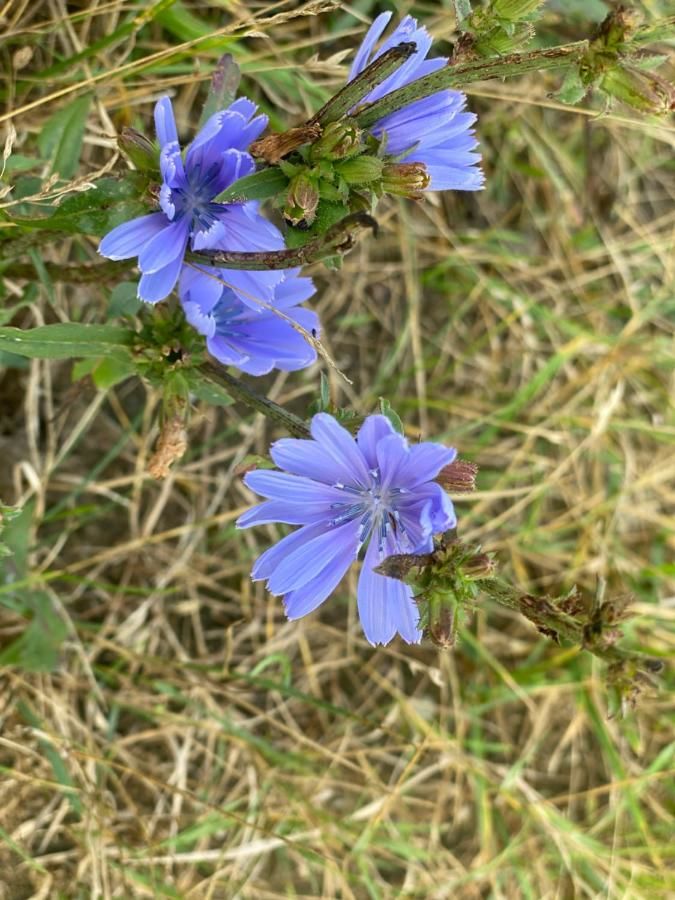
(406, 179)
(339, 140)
(478, 566)
(360, 170)
(644, 91)
(459, 477)
(513, 10)
(142, 152)
(442, 626)
(615, 29)
(302, 200)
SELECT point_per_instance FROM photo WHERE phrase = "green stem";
(75, 273)
(240, 391)
(339, 239)
(553, 622)
(458, 76)
(373, 75)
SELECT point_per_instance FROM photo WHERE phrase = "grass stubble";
(192, 743)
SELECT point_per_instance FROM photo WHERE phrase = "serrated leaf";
(67, 340)
(653, 32)
(572, 90)
(649, 62)
(259, 186)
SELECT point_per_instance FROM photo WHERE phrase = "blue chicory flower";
(215, 159)
(435, 131)
(255, 340)
(346, 493)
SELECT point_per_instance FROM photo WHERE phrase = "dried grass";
(194, 744)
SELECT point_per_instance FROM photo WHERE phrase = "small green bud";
(142, 152)
(340, 140)
(360, 170)
(644, 91)
(406, 179)
(513, 10)
(302, 200)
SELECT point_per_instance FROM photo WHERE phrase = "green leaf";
(52, 755)
(7, 313)
(656, 31)
(16, 534)
(7, 516)
(124, 300)
(82, 368)
(12, 361)
(649, 63)
(587, 10)
(94, 212)
(223, 88)
(111, 370)
(325, 391)
(38, 647)
(19, 163)
(208, 391)
(67, 340)
(327, 214)
(462, 10)
(572, 90)
(259, 186)
(69, 148)
(386, 410)
(61, 136)
(254, 461)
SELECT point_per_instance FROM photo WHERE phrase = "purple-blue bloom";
(346, 493)
(435, 131)
(215, 159)
(255, 340)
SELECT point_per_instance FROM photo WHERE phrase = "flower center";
(229, 315)
(374, 505)
(195, 198)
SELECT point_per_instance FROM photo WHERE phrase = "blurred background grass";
(185, 741)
